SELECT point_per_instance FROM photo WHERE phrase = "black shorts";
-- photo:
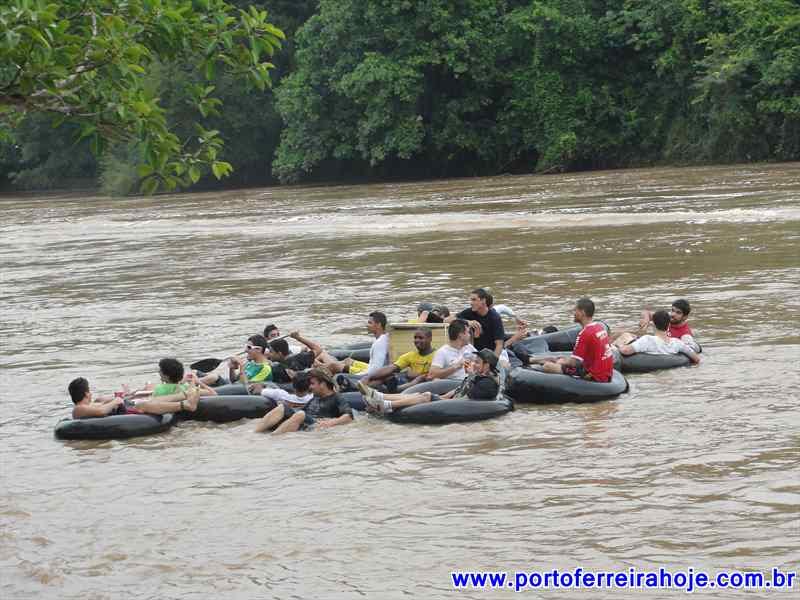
(307, 423)
(580, 372)
(577, 371)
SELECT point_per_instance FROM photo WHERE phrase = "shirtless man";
(170, 396)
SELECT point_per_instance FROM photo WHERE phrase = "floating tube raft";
(452, 411)
(647, 363)
(531, 385)
(113, 427)
(560, 341)
(535, 344)
(355, 399)
(224, 409)
(436, 386)
(361, 354)
(239, 389)
(441, 411)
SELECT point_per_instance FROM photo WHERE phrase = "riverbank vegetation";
(376, 89)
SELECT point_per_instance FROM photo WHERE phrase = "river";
(696, 467)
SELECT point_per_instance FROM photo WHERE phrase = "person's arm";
(685, 349)
(693, 356)
(476, 328)
(413, 382)
(448, 395)
(384, 372)
(316, 348)
(327, 423)
(498, 332)
(691, 343)
(638, 345)
(498, 347)
(234, 365)
(97, 409)
(345, 415)
(445, 372)
(520, 334)
(644, 321)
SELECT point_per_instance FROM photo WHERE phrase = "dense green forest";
(380, 89)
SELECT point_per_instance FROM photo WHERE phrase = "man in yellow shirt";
(412, 367)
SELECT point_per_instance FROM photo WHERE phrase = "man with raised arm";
(660, 343)
(484, 321)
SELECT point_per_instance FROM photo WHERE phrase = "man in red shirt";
(592, 357)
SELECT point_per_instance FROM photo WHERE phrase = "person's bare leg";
(161, 407)
(401, 400)
(209, 378)
(293, 423)
(271, 419)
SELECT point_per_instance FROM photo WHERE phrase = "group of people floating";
(476, 352)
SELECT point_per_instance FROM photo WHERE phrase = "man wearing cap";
(325, 409)
(481, 384)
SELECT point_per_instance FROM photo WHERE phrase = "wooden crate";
(401, 337)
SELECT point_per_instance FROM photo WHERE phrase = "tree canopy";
(90, 62)
(391, 88)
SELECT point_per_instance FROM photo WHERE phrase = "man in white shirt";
(379, 351)
(448, 362)
(660, 343)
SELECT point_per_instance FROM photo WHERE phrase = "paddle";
(209, 364)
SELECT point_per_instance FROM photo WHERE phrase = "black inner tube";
(113, 427)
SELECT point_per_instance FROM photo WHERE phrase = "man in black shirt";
(285, 365)
(486, 324)
(326, 409)
(481, 384)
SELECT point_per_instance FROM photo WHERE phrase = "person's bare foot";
(192, 399)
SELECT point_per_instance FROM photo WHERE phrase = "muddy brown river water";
(696, 467)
